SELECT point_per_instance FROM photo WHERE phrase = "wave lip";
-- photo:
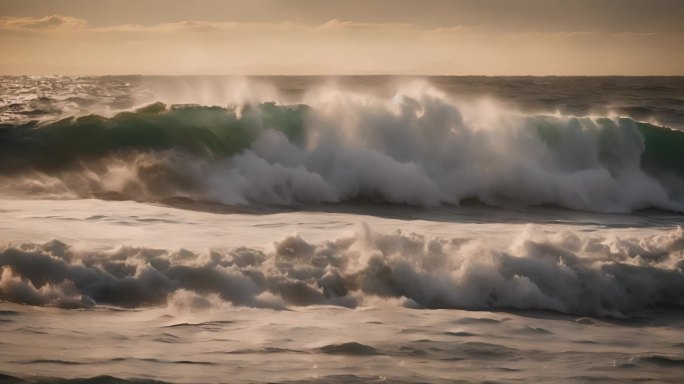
(584, 275)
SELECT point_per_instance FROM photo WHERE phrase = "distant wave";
(418, 148)
(575, 273)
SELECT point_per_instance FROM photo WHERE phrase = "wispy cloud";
(46, 23)
(633, 35)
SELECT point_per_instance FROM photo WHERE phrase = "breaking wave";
(581, 274)
(419, 148)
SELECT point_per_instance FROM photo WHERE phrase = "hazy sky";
(460, 37)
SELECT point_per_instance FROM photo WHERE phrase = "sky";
(319, 37)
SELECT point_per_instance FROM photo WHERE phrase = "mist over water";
(389, 226)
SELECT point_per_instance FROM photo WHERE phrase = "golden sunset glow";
(352, 37)
(341, 191)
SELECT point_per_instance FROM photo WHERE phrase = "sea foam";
(569, 272)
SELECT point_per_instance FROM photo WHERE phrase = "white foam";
(584, 274)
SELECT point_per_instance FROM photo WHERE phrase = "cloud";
(551, 35)
(46, 23)
(65, 23)
(51, 23)
(632, 35)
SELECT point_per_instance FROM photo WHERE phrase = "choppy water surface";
(296, 229)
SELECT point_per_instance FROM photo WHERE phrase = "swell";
(216, 132)
(419, 148)
(574, 273)
(211, 132)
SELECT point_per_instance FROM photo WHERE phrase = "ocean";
(345, 229)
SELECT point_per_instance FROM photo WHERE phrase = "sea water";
(349, 229)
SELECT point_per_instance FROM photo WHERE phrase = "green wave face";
(664, 149)
(656, 149)
(211, 132)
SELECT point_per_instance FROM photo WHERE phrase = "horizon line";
(328, 75)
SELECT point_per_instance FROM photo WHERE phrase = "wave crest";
(419, 148)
